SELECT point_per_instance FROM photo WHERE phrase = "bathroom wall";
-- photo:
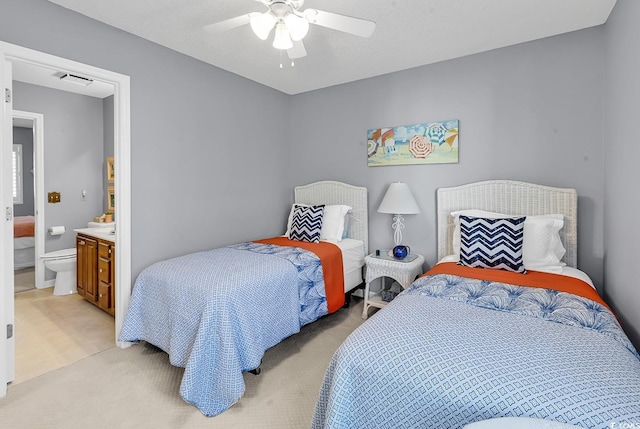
(24, 136)
(107, 144)
(73, 156)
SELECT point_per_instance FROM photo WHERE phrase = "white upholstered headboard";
(330, 192)
(512, 198)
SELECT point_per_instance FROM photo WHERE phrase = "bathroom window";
(17, 174)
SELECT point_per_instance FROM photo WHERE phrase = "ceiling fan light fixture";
(297, 25)
(282, 39)
(262, 23)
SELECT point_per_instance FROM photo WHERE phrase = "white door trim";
(38, 167)
(122, 155)
(7, 345)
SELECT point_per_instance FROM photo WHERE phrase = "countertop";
(101, 233)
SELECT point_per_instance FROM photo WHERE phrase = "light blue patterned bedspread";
(216, 312)
(450, 351)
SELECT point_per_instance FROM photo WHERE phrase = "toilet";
(63, 263)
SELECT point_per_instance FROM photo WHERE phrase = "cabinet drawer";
(104, 296)
(104, 270)
(104, 250)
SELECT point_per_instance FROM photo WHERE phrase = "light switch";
(83, 194)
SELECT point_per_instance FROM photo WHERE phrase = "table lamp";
(398, 201)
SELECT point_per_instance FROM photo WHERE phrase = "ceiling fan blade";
(348, 24)
(228, 24)
(298, 50)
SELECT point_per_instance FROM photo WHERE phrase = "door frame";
(7, 341)
(38, 166)
(122, 154)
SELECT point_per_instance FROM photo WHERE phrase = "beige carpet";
(138, 388)
(24, 279)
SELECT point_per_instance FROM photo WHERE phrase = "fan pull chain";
(293, 64)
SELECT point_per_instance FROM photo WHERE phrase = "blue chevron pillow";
(492, 243)
(306, 223)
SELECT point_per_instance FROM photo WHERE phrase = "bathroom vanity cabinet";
(95, 271)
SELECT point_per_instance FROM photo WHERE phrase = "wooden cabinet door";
(91, 259)
(86, 272)
(81, 260)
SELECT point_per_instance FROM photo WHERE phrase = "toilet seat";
(59, 254)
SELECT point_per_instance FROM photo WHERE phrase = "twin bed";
(462, 344)
(466, 344)
(216, 312)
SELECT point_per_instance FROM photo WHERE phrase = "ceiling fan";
(292, 24)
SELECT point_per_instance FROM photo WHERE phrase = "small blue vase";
(401, 252)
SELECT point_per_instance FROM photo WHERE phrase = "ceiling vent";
(78, 80)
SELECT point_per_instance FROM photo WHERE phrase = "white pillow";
(542, 249)
(332, 221)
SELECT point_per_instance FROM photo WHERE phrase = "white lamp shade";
(282, 39)
(261, 24)
(399, 200)
(298, 26)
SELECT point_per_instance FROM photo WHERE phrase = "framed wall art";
(110, 170)
(426, 143)
(111, 199)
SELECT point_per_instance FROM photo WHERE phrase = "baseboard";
(48, 283)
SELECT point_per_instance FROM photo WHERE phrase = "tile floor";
(54, 331)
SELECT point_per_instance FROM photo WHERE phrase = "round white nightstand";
(385, 266)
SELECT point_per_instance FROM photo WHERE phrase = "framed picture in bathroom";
(110, 172)
(111, 199)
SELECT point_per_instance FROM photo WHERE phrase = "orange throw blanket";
(532, 279)
(24, 226)
(331, 259)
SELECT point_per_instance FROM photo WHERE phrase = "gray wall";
(73, 156)
(529, 112)
(622, 197)
(24, 136)
(207, 146)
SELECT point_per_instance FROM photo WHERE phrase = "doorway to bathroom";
(51, 331)
(9, 55)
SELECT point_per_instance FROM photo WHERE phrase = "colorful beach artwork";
(427, 143)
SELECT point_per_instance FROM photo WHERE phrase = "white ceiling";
(409, 33)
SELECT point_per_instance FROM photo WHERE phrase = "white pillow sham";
(542, 249)
(333, 221)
